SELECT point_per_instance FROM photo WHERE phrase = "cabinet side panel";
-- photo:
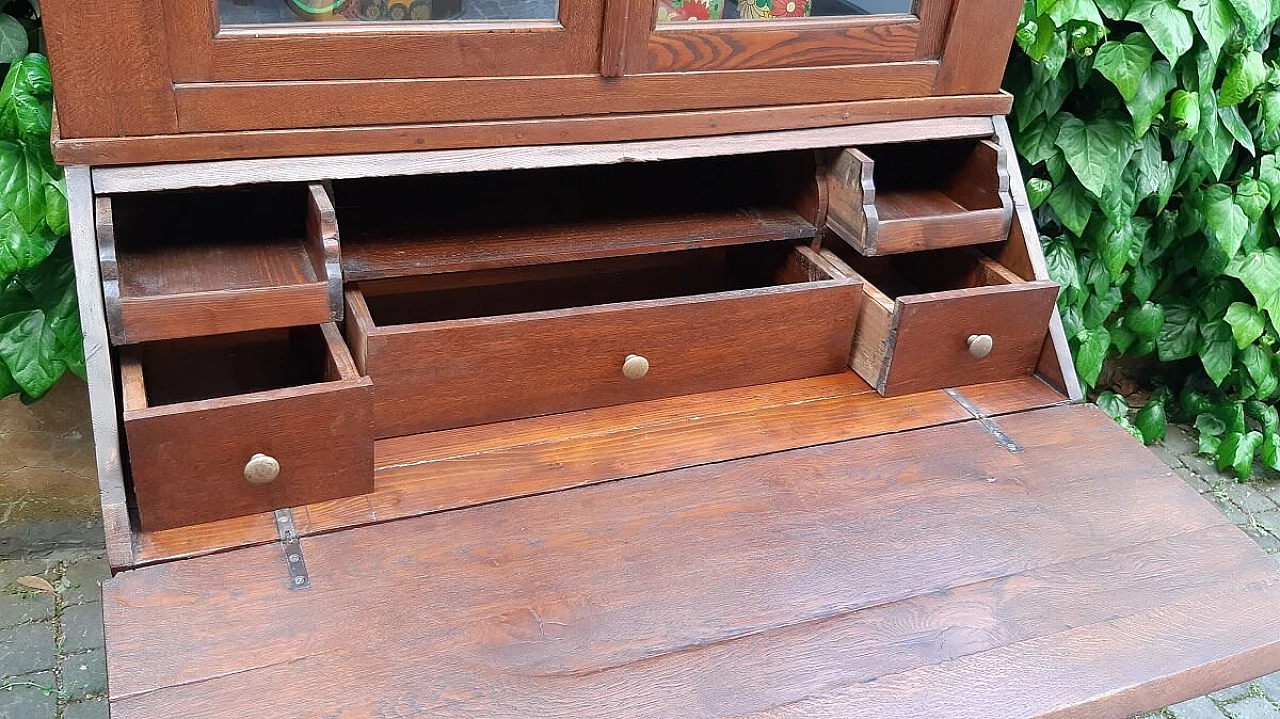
(977, 46)
(97, 357)
(110, 68)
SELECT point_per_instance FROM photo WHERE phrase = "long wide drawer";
(468, 348)
(244, 423)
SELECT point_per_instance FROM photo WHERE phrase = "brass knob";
(635, 367)
(261, 469)
(979, 345)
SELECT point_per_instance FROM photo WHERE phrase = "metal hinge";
(291, 543)
(987, 423)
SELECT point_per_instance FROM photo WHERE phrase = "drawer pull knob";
(980, 345)
(261, 469)
(635, 367)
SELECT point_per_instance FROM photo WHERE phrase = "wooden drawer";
(920, 196)
(186, 264)
(197, 412)
(460, 349)
(928, 317)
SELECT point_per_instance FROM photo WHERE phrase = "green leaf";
(1226, 220)
(1266, 415)
(1167, 26)
(1216, 350)
(1151, 422)
(22, 176)
(1269, 174)
(1098, 308)
(1143, 282)
(1231, 120)
(1061, 260)
(1064, 11)
(1244, 74)
(1038, 190)
(1254, 15)
(1210, 424)
(56, 213)
(1097, 151)
(1231, 412)
(1253, 197)
(1146, 103)
(1236, 451)
(1214, 141)
(1123, 63)
(1214, 18)
(1180, 334)
(1072, 205)
(19, 249)
(1185, 111)
(1113, 404)
(13, 39)
(1260, 273)
(1269, 453)
(1035, 143)
(1094, 344)
(1145, 320)
(1257, 362)
(1114, 9)
(1246, 323)
(1269, 112)
(1114, 246)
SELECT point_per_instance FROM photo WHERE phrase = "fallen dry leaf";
(39, 584)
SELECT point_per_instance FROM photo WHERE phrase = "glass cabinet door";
(239, 13)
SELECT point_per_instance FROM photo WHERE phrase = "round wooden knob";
(635, 367)
(980, 345)
(261, 469)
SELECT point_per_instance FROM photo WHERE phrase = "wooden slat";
(653, 436)
(583, 240)
(838, 580)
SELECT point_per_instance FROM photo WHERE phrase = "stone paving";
(52, 664)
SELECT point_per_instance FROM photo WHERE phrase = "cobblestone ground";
(51, 646)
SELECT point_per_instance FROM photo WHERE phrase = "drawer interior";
(889, 277)
(586, 283)
(200, 368)
(447, 223)
(918, 196)
(190, 263)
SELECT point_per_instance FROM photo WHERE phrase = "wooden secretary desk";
(604, 358)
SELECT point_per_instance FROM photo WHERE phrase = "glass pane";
(684, 10)
(259, 12)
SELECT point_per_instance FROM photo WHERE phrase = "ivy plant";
(39, 325)
(1149, 131)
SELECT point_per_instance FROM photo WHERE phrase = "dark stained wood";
(186, 264)
(977, 46)
(196, 411)
(236, 106)
(448, 223)
(921, 308)
(109, 84)
(923, 196)
(455, 356)
(813, 42)
(102, 151)
(420, 474)
(908, 575)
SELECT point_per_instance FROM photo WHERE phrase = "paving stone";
(1247, 498)
(82, 628)
(1179, 442)
(1198, 708)
(91, 709)
(83, 581)
(1201, 465)
(1230, 693)
(1196, 481)
(26, 649)
(84, 674)
(26, 697)
(22, 607)
(1252, 708)
(1270, 685)
(1166, 456)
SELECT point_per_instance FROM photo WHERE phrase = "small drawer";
(944, 319)
(920, 196)
(194, 263)
(237, 424)
(466, 348)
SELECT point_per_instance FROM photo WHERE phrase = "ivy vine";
(1148, 131)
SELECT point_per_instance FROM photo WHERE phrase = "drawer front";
(453, 374)
(928, 344)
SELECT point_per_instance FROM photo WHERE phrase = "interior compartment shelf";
(201, 263)
(920, 196)
(425, 225)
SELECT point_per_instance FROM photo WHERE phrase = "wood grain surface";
(871, 578)
(541, 347)
(425, 473)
